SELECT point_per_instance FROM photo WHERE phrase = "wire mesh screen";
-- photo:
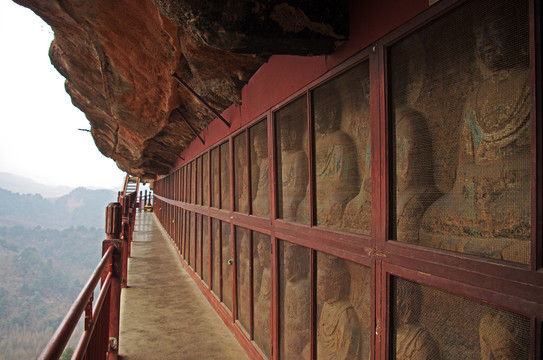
(460, 119)
(225, 176)
(343, 309)
(294, 301)
(260, 182)
(216, 256)
(205, 180)
(199, 180)
(243, 275)
(198, 246)
(262, 288)
(226, 267)
(343, 151)
(205, 250)
(215, 191)
(292, 163)
(241, 187)
(192, 246)
(432, 324)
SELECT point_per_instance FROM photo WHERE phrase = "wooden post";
(126, 233)
(113, 234)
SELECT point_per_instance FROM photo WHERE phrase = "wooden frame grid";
(505, 285)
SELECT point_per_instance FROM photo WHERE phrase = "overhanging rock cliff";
(118, 58)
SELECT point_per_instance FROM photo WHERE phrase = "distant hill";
(42, 270)
(22, 185)
(81, 207)
(48, 249)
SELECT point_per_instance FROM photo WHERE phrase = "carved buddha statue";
(500, 338)
(261, 203)
(336, 168)
(357, 215)
(415, 190)
(413, 342)
(262, 316)
(338, 331)
(294, 172)
(295, 315)
(487, 212)
(241, 180)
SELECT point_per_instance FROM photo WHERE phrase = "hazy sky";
(38, 123)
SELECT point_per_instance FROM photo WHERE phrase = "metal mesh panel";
(198, 245)
(241, 188)
(192, 246)
(199, 180)
(260, 182)
(190, 183)
(226, 267)
(225, 176)
(243, 274)
(343, 151)
(343, 309)
(460, 118)
(262, 287)
(216, 256)
(292, 163)
(294, 301)
(432, 324)
(205, 180)
(205, 250)
(215, 191)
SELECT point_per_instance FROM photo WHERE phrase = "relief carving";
(413, 342)
(337, 179)
(263, 287)
(295, 314)
(261, 203)
(487, 212)
(414, 180)
(338, 331)
(294, 172)
(242, 188)
(500, 338)
(357, 216)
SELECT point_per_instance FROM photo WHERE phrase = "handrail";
(60, 338)
(85, 338)
(101, 335)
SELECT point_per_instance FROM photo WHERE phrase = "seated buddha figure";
(262, 317)
(412, 341)
(357, 214)
(336, 165)
(294, 172)
(414, 183)
(294, 317)
(338, 331)
(487, 213)
(261, 203)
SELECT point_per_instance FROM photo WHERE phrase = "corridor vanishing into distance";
(163, 313)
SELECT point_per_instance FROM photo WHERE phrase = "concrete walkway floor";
(163, 313)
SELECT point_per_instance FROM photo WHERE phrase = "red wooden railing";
(100, 338)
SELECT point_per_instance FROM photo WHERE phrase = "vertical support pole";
(113, 234)
(145, 198)
(140, 202)
(125, 237)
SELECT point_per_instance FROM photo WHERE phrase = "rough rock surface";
(118, 58)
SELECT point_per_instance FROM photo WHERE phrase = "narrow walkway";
(163, 313)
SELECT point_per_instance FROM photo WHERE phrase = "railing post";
(113, 237)
(125, 237)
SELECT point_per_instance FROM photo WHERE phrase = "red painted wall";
(283, 75)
